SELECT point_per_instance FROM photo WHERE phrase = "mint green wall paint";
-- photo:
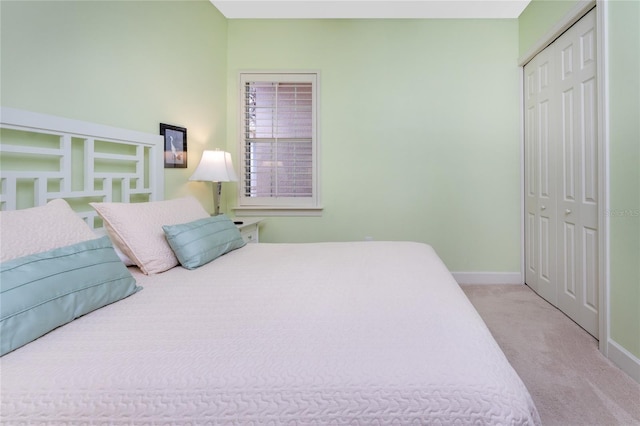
(128, 64)
(623, 24)
(419, 130)
(538, 18)
(624, 140)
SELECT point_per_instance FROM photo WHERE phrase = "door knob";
(543, 207)
(567, 211)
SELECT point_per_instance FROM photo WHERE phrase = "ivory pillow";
(39, 229)
(137, 229)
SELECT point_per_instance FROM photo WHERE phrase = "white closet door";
(540, 227)
(561, 175)
(578, 174)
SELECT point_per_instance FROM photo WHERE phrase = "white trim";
(624, 359)
(603, 174)
(274, 206)
(254, 211)
(523, 197)
(488, 277)
(578, 11)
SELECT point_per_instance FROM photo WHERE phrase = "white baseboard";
(488, 277)
(624, 359)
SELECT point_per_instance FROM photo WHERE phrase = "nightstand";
(249, 228)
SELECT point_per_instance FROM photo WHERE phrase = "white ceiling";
(308, 9)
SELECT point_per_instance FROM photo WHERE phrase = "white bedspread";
(307, 334)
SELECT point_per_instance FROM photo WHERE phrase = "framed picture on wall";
(175, 146)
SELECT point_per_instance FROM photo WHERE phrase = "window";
(278, 142)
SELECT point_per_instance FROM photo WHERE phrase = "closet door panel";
(578, 181)
(540, 202)
(568, 153)
(546, 166)
(569, 246)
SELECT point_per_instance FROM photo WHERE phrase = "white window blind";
(278, 140)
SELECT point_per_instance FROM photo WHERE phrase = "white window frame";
(279, 206)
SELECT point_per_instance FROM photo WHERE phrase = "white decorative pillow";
(39, 229)
(137, 229)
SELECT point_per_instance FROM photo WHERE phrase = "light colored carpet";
(570, 381)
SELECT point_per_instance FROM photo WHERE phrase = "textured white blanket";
(297, 334)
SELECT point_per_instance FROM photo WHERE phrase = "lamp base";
(217, 191)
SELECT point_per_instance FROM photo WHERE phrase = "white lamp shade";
(215, 166)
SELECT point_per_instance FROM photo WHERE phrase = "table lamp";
(216, 167)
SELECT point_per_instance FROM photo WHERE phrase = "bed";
(296, 334)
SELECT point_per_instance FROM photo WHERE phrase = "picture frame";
(175, 146)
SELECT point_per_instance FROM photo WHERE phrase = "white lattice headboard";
(43, 157)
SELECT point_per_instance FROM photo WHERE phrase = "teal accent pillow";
(199, 242)
(43, 291)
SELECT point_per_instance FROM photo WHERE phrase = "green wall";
(130, 64)
(419, 128)
(623, 47)
(624, 140)
(416, 143)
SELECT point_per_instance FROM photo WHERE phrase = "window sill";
(278, 211)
